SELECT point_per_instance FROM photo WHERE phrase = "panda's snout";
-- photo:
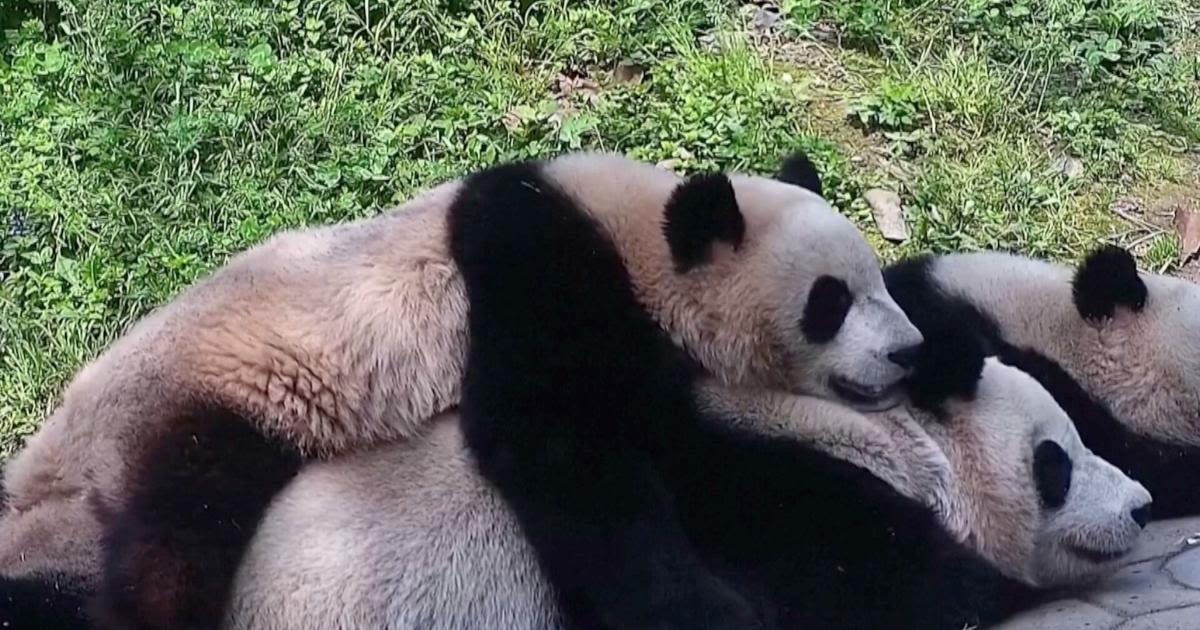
(905, 357)
(1141, 515)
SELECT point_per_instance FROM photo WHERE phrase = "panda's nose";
(1141, 515)
(905, 357)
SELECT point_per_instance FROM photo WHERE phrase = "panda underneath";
(339, 338)
(782, 534)
(1118, 349)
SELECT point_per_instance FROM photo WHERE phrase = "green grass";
(142, 142)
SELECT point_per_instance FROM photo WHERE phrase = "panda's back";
(408, 535)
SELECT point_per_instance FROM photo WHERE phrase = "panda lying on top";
(1118, 349)
(476, 525)
(346, 336)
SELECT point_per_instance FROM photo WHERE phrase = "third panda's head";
(793, 282)
(1026, 494)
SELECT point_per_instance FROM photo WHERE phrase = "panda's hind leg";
(44, 602)
(171, 548)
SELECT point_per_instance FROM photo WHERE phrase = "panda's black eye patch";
(828, 303)
(1052, 473)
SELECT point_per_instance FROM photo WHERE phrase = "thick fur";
(364, 321)
(579, 411)
(949, 366)
(698, 214)
(410, 535)
(174, 545)
(340, 337)
(564, 426)
(799, 170)
(1108, 278)
(43, 602)
(1025, 312)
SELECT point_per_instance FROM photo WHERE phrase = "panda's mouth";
(861, 395)
(1097, 555)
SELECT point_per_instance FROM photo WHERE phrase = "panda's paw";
(715, 606)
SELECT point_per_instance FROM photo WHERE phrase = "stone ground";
(1157, 588)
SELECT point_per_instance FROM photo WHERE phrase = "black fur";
(829, 301)
(1171, 472)
(949, 365)
(1052, 472)
(560, 406)
(172, 547)
(798, 170)
(700, 212)
(43, 602)
(1107, 278)
(642, 512)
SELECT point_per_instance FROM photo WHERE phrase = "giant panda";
(775, 531)
(333, 339)
(1118, 349)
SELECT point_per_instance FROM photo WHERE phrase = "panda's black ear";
(798, 170)
(1107, 278)
(949, 366)
(700, 212)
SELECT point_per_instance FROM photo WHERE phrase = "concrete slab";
(1141, 588)
(1185, 568)
(1178, 619)
(1064, 614)
(1158, 588)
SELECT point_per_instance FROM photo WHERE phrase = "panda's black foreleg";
(606, 534)
(958, 589)
(172, 545)
(43, 602)
(569, 391)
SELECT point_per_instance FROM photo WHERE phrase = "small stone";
(1068, 166)
(1185, 568)
(669, 164)
(1187, 226)
(766, 19)
(1141, 588)
(888, 214)
(1063, 614)
(1178, 619)
(629, 73)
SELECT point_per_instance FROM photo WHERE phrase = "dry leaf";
(1187, 226)
(511, 120)
(564, 86)
(629, 73)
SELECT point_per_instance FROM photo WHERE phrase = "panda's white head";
(848, 340)
(758, 278)
(1138, 345)
(1026, 493)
